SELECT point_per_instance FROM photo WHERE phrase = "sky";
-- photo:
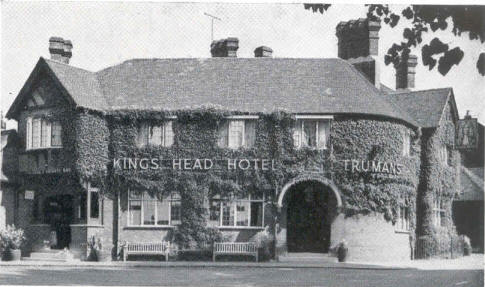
(108, 33)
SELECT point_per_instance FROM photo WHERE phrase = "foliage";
(426, 18)
(94, 246)
(264, 240)
(11, 237)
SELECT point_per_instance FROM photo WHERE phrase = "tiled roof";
(425, 107)
(472, 186)
(327, 86)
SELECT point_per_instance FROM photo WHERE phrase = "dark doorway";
(308, 223)
(58, 211)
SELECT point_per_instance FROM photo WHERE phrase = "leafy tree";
(426, 18)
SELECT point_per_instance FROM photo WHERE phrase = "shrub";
(94, 247)
(11, 237)
(264, 241)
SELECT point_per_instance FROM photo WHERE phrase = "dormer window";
(237, 132)
(311, 132)
(157, 135)
(41, 133)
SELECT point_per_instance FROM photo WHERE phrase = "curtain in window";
(250, 133)
(167, 134)
(236, 132)
(297, 133)
(155, 136)
(56, 134)
(36, 132)
(142, 137)
(323, 134)
(309, 133)
(163, 208)
(223, 134)
(242, 208)
(28, 143)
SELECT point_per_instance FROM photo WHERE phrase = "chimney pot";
(60, 49)
(225, 47)
(263, 52)
(406, 73)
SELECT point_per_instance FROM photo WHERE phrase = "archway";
(308, 206)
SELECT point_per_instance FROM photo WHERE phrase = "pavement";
(473, 262)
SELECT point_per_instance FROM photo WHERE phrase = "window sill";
(39, 224)
(402, 231)
(43, 148)
(87, 225)
(152, 227)
(240, 227)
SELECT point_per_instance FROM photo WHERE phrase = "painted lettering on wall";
(372, 166)
(196, 164)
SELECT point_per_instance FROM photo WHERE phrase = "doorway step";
(307, 257)
(53, 255)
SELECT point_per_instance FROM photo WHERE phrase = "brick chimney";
(358, 42)
(263, 52)
(405, 73)
(60, 49)
(225, 47)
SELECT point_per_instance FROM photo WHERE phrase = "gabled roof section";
(78, 86)
(426, 107)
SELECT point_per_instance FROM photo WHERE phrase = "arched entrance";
(308, 207)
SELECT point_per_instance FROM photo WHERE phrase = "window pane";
(82, 205)
(323, 134)
(162, 209)
(175, 212)
(135, 194)
(214, 210)
(36, 133)
(242, 213)
(155, 136)
(250, 133)
(135, 212)
(256, 214)
(148, 212)
(94, 205)
(236, 132)
(45, 134)
(56, 134)
(168, 134)
(227, 214)
(223, 133)
(309, 133)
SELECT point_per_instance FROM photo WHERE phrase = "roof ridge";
(66, 65)
(397, 92)
(475, 179)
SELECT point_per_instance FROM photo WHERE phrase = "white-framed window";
(313, 133)
(403, 219)
(41, 133)
(241, 212)
(149, 134)
(236, 133)
(406, 143)
(145, 210)
(438, 212)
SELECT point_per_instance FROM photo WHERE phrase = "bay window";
(312, 133)
(237, 132)
(241, 212)
(41, 133)
(147, 210)
(161, 135)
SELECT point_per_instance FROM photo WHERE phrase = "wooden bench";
(235, 248)
(155, 248)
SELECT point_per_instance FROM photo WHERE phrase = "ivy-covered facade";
(204, 150)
